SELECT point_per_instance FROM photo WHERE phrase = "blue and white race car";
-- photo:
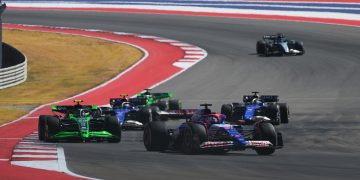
(207, 132)
(279, 45)
(134, 113)
(254, 106)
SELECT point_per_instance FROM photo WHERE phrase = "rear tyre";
(155, 136)
(192, 137)
(300, 47)
(284, 113)
(266, 132)
(41, 127)
(174, 104)
(226, 109)
(260, 47)
(144, 115)
(273, 113)
(162, 105)
(112, 126)
(53, 127)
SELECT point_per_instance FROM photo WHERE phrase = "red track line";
(209, 14)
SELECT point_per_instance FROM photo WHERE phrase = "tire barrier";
(14, 70)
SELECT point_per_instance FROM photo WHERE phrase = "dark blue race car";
(254, 106)
(279, 45)
(134, 113)
(207, 132)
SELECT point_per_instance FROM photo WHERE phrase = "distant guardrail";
(14, 69)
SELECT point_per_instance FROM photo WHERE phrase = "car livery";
(206, 131)
(134, 112)
(80, 122)
(256, 105)
(279, 45)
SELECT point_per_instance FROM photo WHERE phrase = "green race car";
(81, 122)
(148, 99)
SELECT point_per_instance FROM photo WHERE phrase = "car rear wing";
(269, 98)
(270, 37)
(64, 109)
(138, 101)
(158, 96)
(264, 98)
(177, 114)
(117, 101)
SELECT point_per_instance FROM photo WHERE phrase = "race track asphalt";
(322, 140)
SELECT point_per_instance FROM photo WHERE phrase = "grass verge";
(60, 66)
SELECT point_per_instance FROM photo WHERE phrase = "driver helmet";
(84, 113)
(211, 120)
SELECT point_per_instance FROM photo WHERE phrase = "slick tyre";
(41, 127)
(192, 137)
(162, 105)
(155, 136)
(266, 132)
(144, 115)
(52, 127)
(273, 113)
(260, 47)
(174, 104)
(300, 47)
(284, 113)
(226, 109)
(112, 126)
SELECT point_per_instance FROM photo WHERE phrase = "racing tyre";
(174, 104)
(155, 113)
(300, 47)
(239, 112)
(266, 132)
(144, 115)
(284, 113)
(260, 47)
(273, 113)
(112, 126)
(162, 105)
(53, 127)
(192, 137)
(155, 136)
(226, 109)
(41, 126)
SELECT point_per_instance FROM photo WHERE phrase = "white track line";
(194, 52)
(166, 40)
(194, 56)
(181, 44)
(36, 151)
(33, 156)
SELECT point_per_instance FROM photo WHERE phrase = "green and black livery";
(79, 122)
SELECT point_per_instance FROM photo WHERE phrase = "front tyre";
(226, 109)
(155, 136)
(266, 132)
(284, 113)
(192, 137)
(41, 127)
(112, 126)
(52, 127)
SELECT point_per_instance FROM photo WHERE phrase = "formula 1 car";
(80, 122)
(256, 105)
(133, 113)
(207, 132)
(279, 45)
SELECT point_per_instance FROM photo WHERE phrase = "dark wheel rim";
(147, 137)
(187, 143)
